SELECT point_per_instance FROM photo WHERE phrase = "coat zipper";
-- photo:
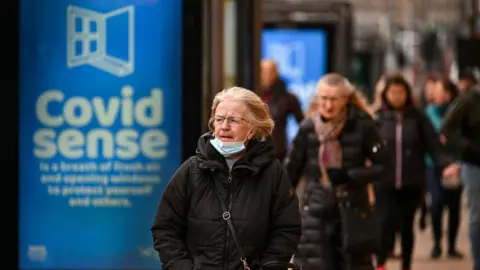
(226, 250)
(399, 152)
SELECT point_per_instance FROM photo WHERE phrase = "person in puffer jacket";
(409, 136)
(231, 206)
(339, 137)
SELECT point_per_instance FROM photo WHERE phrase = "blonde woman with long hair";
(330, 150)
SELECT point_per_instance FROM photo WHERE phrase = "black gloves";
(354, 177)
(338, 177)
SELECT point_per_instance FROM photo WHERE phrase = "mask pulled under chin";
(228, 149)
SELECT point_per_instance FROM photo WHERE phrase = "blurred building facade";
(415, 36)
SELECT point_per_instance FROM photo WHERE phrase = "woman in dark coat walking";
(338, 139)
(409, 136)
(229, 207)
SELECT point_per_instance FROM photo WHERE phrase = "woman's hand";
(368, 163)
(443, 139)
(451, 170)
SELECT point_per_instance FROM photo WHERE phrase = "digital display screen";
(302, 58)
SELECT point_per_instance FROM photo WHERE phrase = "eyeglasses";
(220, 119)
(333, 99)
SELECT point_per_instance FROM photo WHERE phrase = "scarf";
(330, 151)
(441, 110)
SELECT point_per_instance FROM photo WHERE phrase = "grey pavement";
(423, 245)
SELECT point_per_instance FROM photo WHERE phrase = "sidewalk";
(423, 245)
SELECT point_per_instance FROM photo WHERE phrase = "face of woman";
(230, 122)
(464, 84)
(397, 95)
(440, 95)
(331, 101)
(429, 91)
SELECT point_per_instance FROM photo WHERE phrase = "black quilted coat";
(320, 244)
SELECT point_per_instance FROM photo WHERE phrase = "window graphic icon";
(290, 58)
(88, 33)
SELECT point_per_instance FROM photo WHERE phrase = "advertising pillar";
(100, 129)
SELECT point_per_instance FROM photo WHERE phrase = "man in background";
(466, 79)
(461, 128)
(281, 103)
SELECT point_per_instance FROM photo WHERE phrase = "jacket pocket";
(198, 262)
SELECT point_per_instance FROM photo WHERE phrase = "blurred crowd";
(338, 196)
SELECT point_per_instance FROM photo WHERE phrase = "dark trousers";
(396, 210)
(423, 212)
(422, 224)
(471, 181)
(441, 199)
(346, 261)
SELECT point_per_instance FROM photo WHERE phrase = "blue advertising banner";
(100, 118)
(301, 56)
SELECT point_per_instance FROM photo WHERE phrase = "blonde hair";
(377, 98)
(355, 97)
(259, 115)
(312, 107)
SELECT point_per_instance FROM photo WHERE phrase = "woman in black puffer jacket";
(409, 136)
(229, 207)
(344, 136)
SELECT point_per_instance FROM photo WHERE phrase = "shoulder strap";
(228, 218)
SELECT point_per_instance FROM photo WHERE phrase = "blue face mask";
(228, 149)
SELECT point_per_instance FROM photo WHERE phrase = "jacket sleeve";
(169, 226)
(431, 140)
(296, 109)
(452, 129)
(285, 222)
(297, 154)
(376, 151)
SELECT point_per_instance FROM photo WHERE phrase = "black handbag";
(228, 218)
(359, 227)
